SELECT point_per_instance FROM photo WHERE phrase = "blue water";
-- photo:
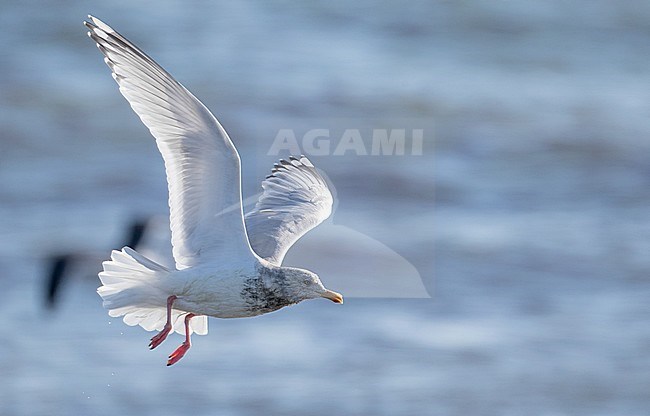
(525, 217)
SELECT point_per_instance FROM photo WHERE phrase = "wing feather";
(295, 199)
(201, 162)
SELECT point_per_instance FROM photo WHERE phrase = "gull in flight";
(227, 265)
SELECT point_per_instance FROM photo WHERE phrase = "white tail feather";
(133, 287)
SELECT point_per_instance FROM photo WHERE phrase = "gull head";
(307, 285)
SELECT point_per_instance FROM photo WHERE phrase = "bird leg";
(180, 351)
(160, 337)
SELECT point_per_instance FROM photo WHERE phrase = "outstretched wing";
(295, 199)
(202, 164)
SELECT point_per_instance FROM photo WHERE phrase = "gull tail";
(134, 287)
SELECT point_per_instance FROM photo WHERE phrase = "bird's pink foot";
(160, 337)
(180, 351)
(178, 354)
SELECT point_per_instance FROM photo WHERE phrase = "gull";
(226, 266)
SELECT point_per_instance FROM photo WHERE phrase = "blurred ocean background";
(526, 216)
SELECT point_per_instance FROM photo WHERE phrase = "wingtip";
(99, 24)
(305, 161)
(91, 23)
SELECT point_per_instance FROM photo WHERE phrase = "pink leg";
(180, 351)
(158, 339)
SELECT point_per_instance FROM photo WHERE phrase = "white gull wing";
(202, 164)
(294, 200)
